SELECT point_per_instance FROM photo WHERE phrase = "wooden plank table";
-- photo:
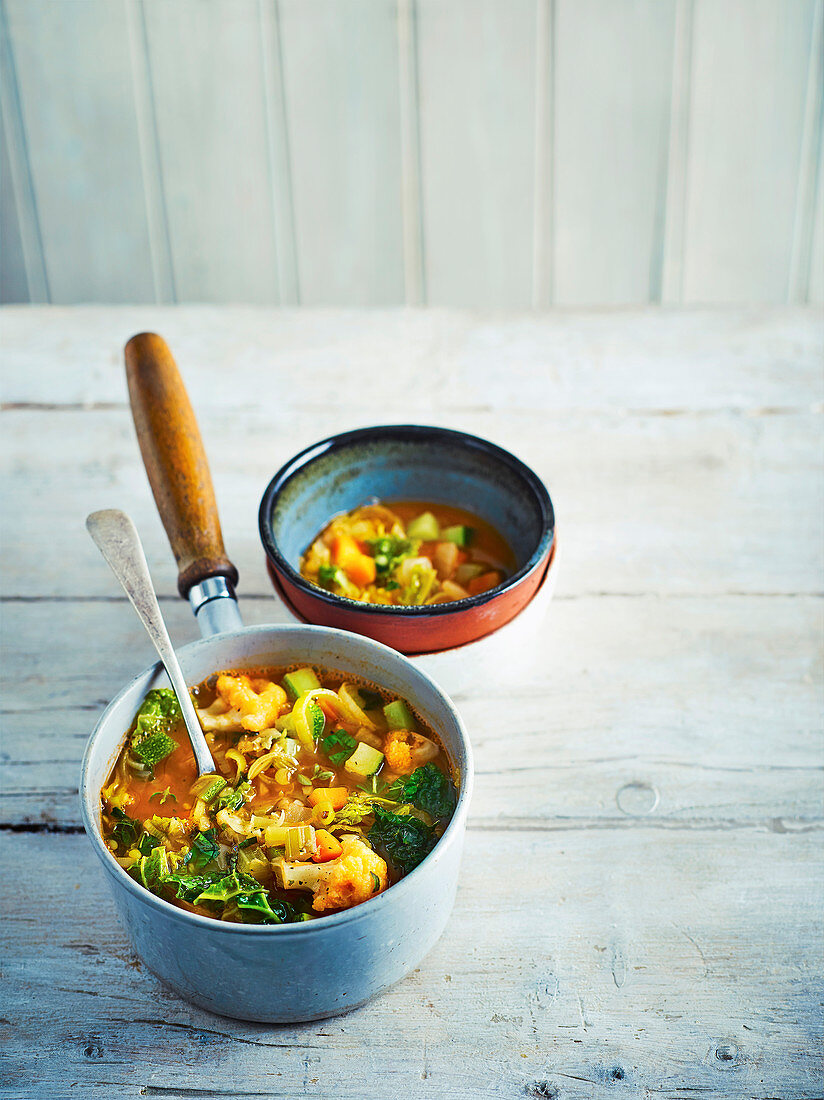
(640, 907)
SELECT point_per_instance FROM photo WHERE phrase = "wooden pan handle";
(175, 461)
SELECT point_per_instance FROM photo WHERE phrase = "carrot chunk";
(483, 583)
(328, 847)
(335, 796)
(359, 567)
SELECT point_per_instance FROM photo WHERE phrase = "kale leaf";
(428, 789)
(189, 887)
(150, 742)
(203, 851)
(152, 870)
(126, 831)
(147, 844)
(403, 839)
(235, 891)
(230, 893)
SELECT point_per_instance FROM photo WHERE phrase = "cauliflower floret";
(259, 702)
(356, 875)
(219, 718)
(406, 750)
(369, 737)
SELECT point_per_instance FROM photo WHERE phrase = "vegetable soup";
(327, 791)
(406, 553)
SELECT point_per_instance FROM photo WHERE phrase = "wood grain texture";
(643, 425)
(620, 485)
(628, 967)
(626, 714)
(639, 911)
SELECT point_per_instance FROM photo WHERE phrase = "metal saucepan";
(270, 973)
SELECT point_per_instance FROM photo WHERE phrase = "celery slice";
(399, 716)
(424, 527)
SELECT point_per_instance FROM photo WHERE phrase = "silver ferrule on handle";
(118, 541)
(215, 606)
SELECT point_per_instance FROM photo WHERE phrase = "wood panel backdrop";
(484, 153)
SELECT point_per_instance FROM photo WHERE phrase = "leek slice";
(263, 762)
(207, 787)
(347, 694)
(309, 718)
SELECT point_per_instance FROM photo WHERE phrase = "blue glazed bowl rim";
(408, 433)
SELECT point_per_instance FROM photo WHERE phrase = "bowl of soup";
(327, 790)
(423, 538)
(318, 864)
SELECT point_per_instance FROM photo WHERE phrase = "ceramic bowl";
(291, 972)
(407, 462)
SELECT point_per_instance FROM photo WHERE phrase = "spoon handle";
(117, 540)
(175, 462)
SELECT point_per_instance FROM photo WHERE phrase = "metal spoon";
(117, 540)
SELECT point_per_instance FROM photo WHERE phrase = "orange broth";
(289, 793)
(363, 554)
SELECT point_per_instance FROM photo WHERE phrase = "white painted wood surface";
(749, 100)
(610, 149)
(226, 121)
(477, 71)
(493, 154)
(640, 908)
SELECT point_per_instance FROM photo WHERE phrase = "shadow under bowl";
(407, 462)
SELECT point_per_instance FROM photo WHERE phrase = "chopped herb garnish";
(329, 576)
(376, 882)
(389, 552)
(339, 746)
(163, 796)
